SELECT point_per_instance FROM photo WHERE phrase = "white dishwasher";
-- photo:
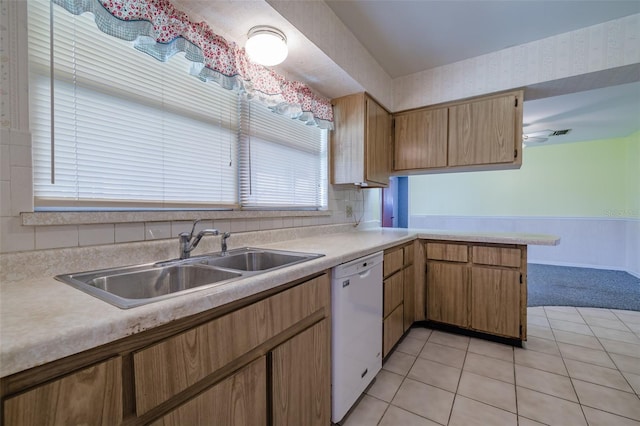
(356, 330)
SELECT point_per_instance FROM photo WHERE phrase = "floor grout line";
(516, 384)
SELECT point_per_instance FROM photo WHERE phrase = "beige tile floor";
(580, 366)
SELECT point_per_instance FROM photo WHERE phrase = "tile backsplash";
(36, 264)
(16, 237)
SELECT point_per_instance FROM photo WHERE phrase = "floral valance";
(159, 29)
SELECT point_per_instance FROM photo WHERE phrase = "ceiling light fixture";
(266, 45)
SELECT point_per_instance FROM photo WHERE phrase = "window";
(282, 163)
(133, 132)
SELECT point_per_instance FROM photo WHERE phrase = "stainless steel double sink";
(131, 286)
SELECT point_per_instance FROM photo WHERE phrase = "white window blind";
(128, 130)
(283, 162)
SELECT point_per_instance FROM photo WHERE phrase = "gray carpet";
(551, 285)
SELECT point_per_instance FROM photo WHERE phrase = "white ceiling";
(605, 113)
(406, 37)
(410, 36)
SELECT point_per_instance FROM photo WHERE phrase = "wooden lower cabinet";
(495, 298)
(262, 362)
(481, 287)
(447, 290)
(393, 293)
(239, 400)
(301, 374)
(91, 396)
(202, 350)
(398, 311)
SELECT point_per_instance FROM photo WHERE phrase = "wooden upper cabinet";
(377, 143)
(360, 142)
(484, 132)
(421, 139)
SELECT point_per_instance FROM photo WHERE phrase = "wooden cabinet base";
(434, 325)
(263, 361)
(477, 286)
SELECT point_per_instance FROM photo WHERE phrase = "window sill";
(92, 218)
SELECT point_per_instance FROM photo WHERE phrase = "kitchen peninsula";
(49, 330)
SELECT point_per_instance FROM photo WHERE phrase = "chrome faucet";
(223, 243)
(188, 242)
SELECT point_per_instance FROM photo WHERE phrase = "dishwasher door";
(356, 337)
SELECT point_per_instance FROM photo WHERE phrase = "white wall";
(587, 193)
(585, 51)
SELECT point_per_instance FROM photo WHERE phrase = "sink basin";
(131, 286)
(257, 260)
(137, 285)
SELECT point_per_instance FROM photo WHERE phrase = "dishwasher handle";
(365, 274)
(358, 266)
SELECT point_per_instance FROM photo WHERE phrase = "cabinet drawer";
(238, 400)
(497, 256)
(92, 396)
(450, 252)
(408, 254)
(392, 329)
(191, 356)
(393, 293)
(393, 261)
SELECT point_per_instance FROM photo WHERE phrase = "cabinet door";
(483, 132)
(199, 352)
(393, 261)
(301, 383)
(347, 139)
(392, 329)
(448, 252)
(495, 295)
(421, 139)
(378, 147)
(447, 293)
(393, 293)
(240, 400)
(92, 396)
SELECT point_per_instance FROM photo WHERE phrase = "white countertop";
(43, 320)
